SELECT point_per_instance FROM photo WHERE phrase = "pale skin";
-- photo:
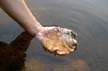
(18, 10)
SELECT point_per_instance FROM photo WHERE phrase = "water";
(21, 52)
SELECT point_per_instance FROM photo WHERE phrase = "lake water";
(89, 18)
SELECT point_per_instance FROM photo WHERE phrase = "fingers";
(59, 50)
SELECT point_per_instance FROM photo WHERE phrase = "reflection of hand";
(53, 43)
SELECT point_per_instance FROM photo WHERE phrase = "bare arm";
(19, 11)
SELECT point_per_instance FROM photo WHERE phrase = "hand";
(52, 42)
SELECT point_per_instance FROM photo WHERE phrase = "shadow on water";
(12, 56)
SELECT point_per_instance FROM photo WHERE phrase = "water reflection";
(12, 56)
(76, 65)
(73, 65)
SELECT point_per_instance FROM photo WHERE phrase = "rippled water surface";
(89, 18)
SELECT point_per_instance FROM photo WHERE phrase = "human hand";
(58, 40)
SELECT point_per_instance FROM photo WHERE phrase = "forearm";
(19, 11)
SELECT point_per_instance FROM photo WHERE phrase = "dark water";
(89, 18)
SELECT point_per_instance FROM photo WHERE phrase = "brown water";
(21, 52)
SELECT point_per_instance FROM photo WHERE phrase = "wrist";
(36, 29)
